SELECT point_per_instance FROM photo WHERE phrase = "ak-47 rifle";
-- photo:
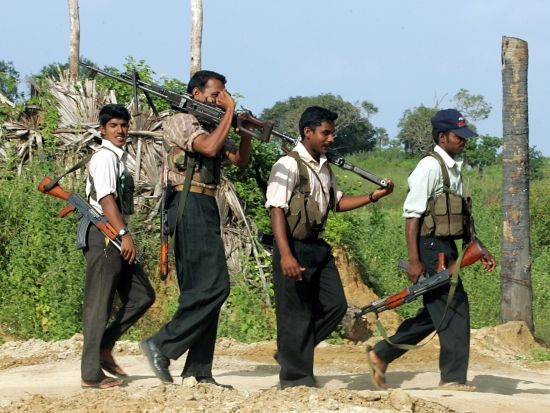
(208, 114)
(473, 252)
(77, 203)
(337, 160)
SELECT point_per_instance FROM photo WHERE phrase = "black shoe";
(157, 361)
(210, 380)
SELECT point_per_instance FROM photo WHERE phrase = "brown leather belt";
(197, 189)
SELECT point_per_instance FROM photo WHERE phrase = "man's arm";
(347, 203)
(112, 213)
(241, 157)
(415, 268)
(289, 265)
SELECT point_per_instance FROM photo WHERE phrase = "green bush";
(41, 276)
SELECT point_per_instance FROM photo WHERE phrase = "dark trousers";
(204, 285)
(453, 332)
(307, 311)
(107, 273)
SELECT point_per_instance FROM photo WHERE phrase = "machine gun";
(208, 114)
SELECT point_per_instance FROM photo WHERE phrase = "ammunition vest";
(447, 214)
(304, 218)
(207, 171)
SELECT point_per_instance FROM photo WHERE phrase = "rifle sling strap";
(444, 171)
(454, 282)
(68, 171)
(183, 197)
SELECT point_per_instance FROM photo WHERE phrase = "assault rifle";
(474, 252)
(77, 203)
(164, 229)
(207, 113)
(337, 160)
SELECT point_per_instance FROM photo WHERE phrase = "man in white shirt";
(109, 189)
(424, 242)
(309, 296)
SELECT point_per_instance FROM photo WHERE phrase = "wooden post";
(517, 295)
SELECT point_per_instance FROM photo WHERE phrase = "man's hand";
(414, 270)
(127, 248)
(225, 101)
(291, 267)
(489, 263)
(382, 192)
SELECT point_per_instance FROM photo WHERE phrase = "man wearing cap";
(436, 176)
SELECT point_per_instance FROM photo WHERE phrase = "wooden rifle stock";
(56, 191)
(473, 252)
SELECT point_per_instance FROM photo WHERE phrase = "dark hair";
(201, 78)
(435, 134)
(314, 116)
(112, 111)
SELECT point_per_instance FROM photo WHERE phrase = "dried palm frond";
(78, 104)
(238, 234)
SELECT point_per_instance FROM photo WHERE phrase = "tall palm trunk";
(517, 295)
(196, 35)
(74, 45)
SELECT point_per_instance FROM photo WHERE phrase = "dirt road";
(44, 377)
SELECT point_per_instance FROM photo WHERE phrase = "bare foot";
(109, 364)
(378, 368)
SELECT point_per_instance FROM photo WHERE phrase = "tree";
(196, 36)
(355, 131)
(416, 129)
(74, 44)
(9, 78)
(415, 126)
(382, 137)
(482, 151)
(517, 295)
(472, 107)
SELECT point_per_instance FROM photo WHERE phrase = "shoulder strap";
(303, 181)
(68, 171)
(73, 168)
(304, 176)
(184, 192)
(444, 171)
(332, 195)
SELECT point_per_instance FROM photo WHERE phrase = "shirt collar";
(306, 156)
(105, 143)
(449, 161)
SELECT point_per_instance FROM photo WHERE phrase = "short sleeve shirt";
(285, 175)
(181, 130)
(426, 181)
(107, 165)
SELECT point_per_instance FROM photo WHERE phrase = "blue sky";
(396, 54)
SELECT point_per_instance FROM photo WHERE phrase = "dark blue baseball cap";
(452, 120)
